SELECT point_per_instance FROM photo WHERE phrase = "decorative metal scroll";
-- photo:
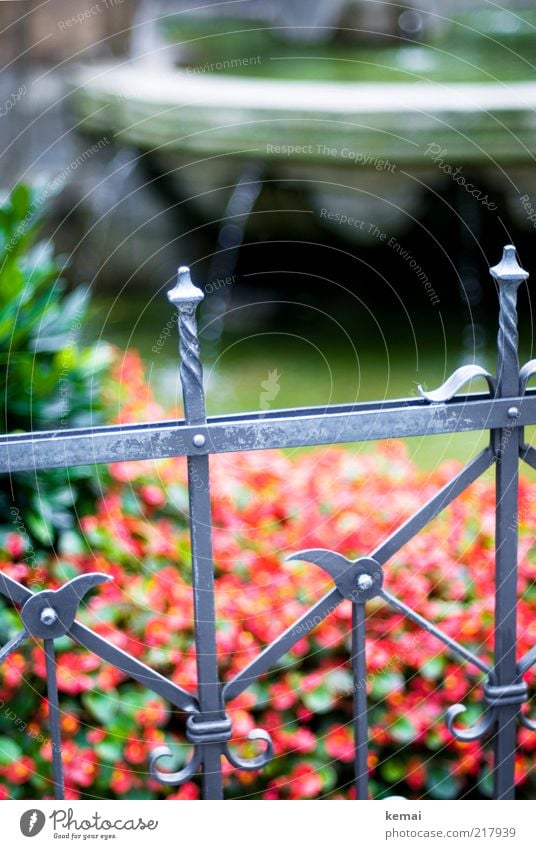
(504, 410)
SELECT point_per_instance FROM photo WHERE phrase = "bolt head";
(48, 616)
(513, 412)
(364, 582)
(199, 440)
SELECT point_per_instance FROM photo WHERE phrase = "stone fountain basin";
(364, 150)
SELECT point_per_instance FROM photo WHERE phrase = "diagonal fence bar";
(185, 296)
(509, 275)
(360, 718)
(451, 643)
(280, 646)
(363, 422)
(434, 506)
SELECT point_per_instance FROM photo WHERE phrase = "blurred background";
(339, 174)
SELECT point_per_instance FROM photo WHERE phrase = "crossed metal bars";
(503, 410)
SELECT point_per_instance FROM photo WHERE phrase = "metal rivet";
(513, 412)
(48, 616)
(364, 582)
(199, 440)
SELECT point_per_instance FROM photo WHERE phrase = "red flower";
(123, 779)
(152, 495)
(188, 791)
(15, 545)
(154, 713)
(339, 743)
(304, 782)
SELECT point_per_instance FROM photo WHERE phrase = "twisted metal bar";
(208, 726)
(451, 643)
(257, 762)
(468, 475)
(50, 614)
(476, 732)
(54, 719)
(509, 275)
(360, 706)
(495, 697)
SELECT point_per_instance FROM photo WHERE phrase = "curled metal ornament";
(476, 732)
(172, 779)
(456, 381)
(525, 373)
(186, 297)
(257, 762)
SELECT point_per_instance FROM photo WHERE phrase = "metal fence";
(504, 410)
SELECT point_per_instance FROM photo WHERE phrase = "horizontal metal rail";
(256, 431)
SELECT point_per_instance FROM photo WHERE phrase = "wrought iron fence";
(504, 410)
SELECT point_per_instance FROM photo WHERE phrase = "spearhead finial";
(185, 295)
(508, 270)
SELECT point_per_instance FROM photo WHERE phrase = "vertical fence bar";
(359, 669)
(185, 296)
(508, 275)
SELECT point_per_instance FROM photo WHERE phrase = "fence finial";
(185, 295)
(508, 270)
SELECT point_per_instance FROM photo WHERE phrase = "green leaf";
(9, 751)
(402, 730)
(40, 528)
(103, 707)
